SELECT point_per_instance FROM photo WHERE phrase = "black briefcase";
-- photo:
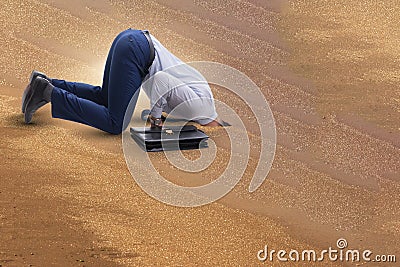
(169, 138)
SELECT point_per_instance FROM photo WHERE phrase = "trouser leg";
(126, 69)
(93, 93)
(83, 90)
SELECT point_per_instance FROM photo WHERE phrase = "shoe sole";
(33, 76)
(28, 115)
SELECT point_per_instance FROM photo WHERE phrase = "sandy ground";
(329, 70)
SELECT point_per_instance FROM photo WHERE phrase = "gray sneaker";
(38, 95)
(33, 76)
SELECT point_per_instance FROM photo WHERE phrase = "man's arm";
(156, 112)
(157, 93)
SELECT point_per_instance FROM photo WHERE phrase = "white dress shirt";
(177, 89)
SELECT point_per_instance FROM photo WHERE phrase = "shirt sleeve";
(159, 91)
(157, 107)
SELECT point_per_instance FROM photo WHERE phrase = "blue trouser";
(104, 107)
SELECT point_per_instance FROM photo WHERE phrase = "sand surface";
(329, 70)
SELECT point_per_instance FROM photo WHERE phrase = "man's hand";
(156, 122)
